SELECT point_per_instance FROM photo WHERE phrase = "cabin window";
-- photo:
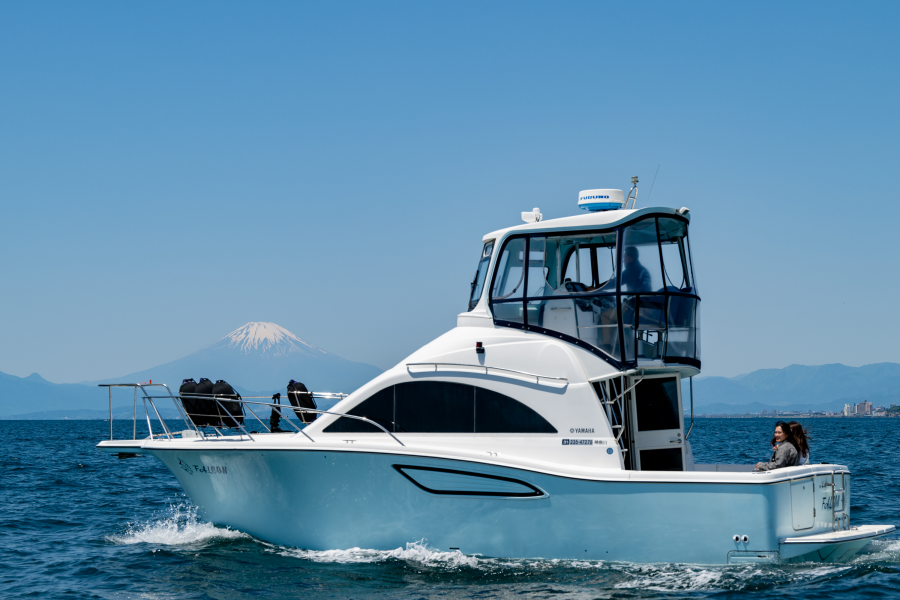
(378, 407)
(509, 281)
(628, 294)
(641, 270)
(683, 328)
(657, 404)
(478, 282)
(442, 407)
(540, 268)
(662, 459)
(497, 413)
(434, 407)
(589, 263)
(676, 258)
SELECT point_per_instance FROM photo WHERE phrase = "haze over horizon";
(166, 177)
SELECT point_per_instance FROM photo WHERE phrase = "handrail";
(217, 397)
(488, 369)
(300, 409)
(616, 399)
(627, 373)
(688, 434)
(135, 386)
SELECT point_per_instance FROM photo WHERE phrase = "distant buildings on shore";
(861, 409)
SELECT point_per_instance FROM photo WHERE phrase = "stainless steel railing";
(223, 413)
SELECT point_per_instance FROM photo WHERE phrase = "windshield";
(629, 292)
(480, 273)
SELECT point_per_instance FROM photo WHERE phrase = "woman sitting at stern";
(801, 436)
(785, 454)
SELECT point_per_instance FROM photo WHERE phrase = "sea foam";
(415, 552)
(180, 528)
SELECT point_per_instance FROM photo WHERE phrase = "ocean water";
(76, 523)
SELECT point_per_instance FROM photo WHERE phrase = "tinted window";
(435, 407)
(379, 408)
(496, 413)
(657, 404)
(443, 407)
(665, 459)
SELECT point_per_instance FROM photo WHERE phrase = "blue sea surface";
(77, 523)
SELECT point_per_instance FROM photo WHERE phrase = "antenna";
(634, 190)
(652, 184)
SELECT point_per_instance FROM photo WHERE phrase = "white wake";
(180, 528)
(416, 552)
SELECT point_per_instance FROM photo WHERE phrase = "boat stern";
(835, 546)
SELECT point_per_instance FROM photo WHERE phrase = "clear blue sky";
(170, 171)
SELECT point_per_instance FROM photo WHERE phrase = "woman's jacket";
(785, 455)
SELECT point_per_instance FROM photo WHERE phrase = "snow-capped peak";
(266, 338)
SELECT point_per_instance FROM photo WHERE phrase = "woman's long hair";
(801, 436)
(789, 432)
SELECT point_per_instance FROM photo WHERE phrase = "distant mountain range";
(798, 387)
(34, 394)
(260, 358)
(257, 359)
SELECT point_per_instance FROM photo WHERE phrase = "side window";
(641, 271)
(435, 407)
(378, 407)
(675, 257)
(442, 407)
(578, 267)
(591, 261)
(496, 413)
(510, 275)
(538, 268)
(657, 404)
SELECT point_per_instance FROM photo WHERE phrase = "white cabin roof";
(589, 220)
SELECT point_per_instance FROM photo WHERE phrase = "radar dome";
(594, 200)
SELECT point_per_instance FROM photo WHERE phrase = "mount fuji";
(261, 357)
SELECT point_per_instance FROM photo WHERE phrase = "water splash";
(180, 528)
(667, 578)
(880, 551)
(415, 552)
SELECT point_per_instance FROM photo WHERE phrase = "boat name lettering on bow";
(209, 469)
(577, 442)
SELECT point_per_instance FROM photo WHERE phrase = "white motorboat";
(548, 423)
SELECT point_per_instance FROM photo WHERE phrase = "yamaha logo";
(581, 430)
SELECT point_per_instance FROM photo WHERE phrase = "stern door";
(803, 505)
(658, 424)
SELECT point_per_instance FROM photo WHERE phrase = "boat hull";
(327, 499)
